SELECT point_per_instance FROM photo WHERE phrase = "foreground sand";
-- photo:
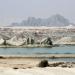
(38, 71)
(25, 66)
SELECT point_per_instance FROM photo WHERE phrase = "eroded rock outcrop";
(1, 41)
(47, 41)
(17, 41)
(66, 40)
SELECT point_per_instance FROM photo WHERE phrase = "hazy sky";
(18, 10)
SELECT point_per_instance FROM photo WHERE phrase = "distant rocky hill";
(55, 20)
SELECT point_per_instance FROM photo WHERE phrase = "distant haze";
(18, 10)
(54, 20)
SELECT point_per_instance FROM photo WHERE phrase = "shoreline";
(27, 46)
(28, 66)
(24, 63)
(40, 56)
(35, 46)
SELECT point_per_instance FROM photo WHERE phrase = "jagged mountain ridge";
(55, 20)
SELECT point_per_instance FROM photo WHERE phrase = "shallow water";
(62, 60)
(31, 51)
(37, 51)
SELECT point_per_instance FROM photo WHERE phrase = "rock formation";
(1, 41)
(17, 41)
(66, 40)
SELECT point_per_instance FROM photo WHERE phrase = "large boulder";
(43, 63)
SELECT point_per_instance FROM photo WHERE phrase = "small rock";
(15, 68)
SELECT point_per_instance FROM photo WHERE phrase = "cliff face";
(30, 36)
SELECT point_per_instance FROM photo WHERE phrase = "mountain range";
(54, 20)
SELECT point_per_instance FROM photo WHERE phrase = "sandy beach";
(38, 71)
(28, 66)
